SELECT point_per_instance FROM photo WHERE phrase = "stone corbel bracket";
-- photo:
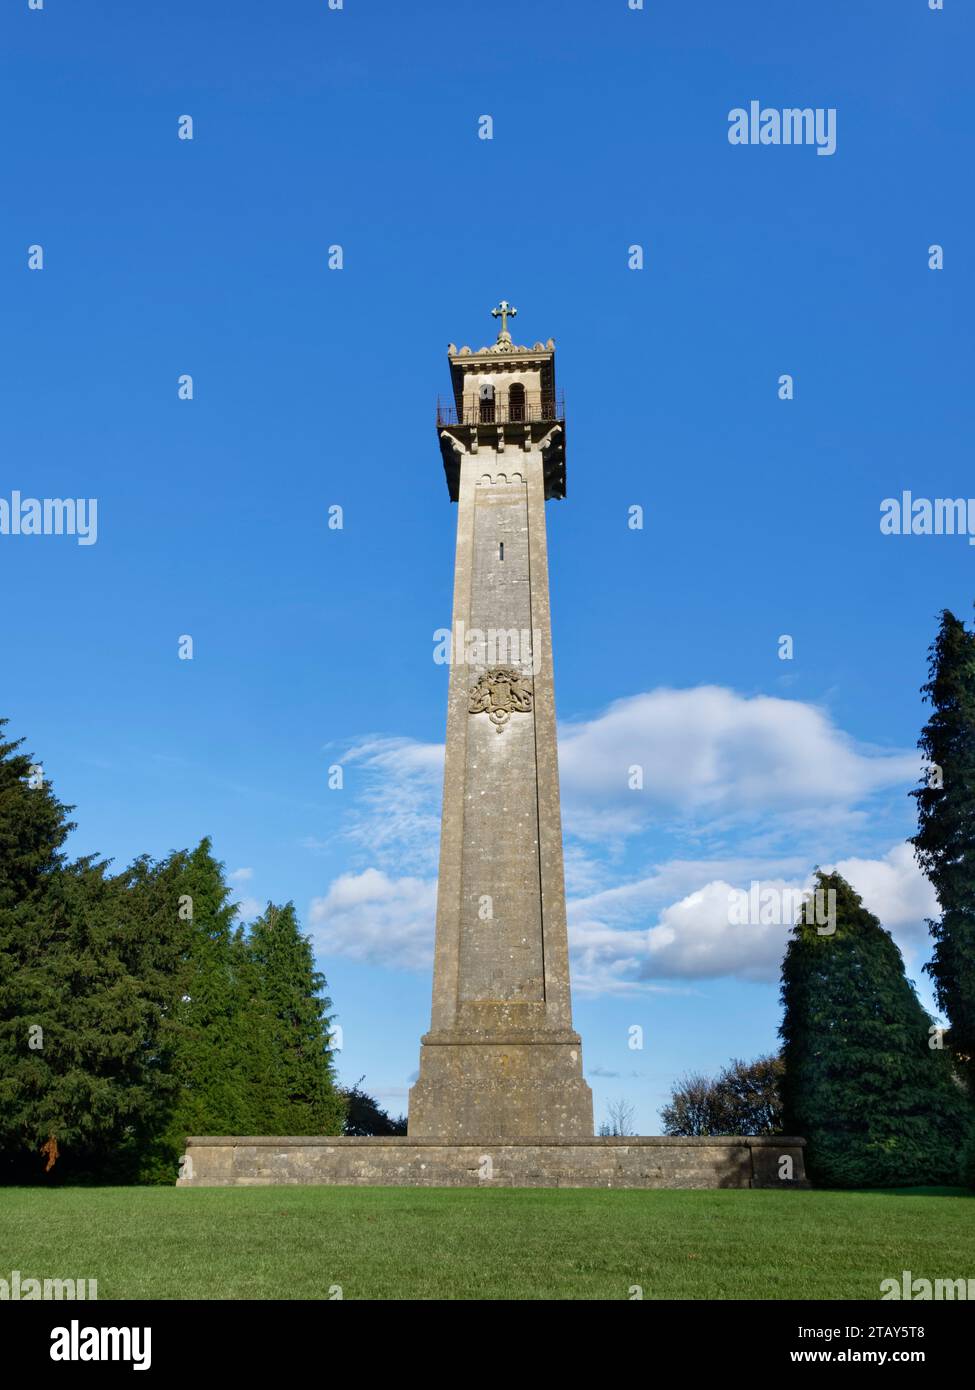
(453, 451)
(552, 446)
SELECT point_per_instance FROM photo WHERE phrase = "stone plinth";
(517, 1088)
(409, 1162)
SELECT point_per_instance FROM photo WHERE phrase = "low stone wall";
(405, 1162)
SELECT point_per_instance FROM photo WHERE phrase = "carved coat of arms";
(499, 694)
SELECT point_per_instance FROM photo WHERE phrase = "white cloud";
(711, 754)
(896, 890)
(241, 875)
(693, 938)
(248, 909)
(690, 939)
(378, 919)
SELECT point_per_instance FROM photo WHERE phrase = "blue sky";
(315, 387)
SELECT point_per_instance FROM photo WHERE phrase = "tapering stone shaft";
(501, 1059)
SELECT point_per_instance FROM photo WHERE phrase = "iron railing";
(502, 412)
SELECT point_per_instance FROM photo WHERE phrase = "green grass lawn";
(406, 1243)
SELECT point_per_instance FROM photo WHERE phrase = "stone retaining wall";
(406, 1162)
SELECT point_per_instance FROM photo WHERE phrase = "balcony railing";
(501, 412)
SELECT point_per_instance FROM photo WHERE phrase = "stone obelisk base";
(408, 1162)
(521, 1086)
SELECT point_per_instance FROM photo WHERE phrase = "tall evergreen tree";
(164, 936)
(945, 842)
(85, 985)
(292, 1023)
(98, 1090)
(879, 1106)
(33, 827)
(257, 1038)
(207, 1059)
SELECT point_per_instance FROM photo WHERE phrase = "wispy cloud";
(397, 812)
(786, 788)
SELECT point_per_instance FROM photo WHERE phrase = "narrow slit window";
(501, 550)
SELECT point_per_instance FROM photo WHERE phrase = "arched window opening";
(486, 394)
(516, 402)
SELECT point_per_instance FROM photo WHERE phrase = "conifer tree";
(85, 985)
(206, 1033)
(33, 827)
(945, 842)
(163, 931)
(293, 1022)
(257, 1039)
(97, 1090)
(878, 1104)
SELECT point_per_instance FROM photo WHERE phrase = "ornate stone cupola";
(504, 399)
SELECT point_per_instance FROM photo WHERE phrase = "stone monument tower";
(501, 1060)
(500, 1099)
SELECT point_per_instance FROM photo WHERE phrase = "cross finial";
(504, 311)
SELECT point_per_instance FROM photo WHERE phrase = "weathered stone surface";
(512, 1089)
(408, 1162)
(501, 1057)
